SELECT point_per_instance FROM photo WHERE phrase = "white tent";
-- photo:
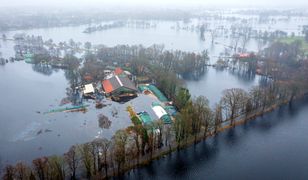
(88, 89)
(159, 111)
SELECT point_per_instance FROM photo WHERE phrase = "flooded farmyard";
(100, 93)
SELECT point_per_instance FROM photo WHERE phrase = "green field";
(290, 40)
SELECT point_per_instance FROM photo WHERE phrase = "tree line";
(286, 79)
(138, 143)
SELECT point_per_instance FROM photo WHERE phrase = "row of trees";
(138, 143)
(194, 121)
(305, 32)
(176, 61)
(287, 63)
(63, 55)
(94, 160)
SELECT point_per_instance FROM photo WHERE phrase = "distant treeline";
(285, 67)
(28, 19)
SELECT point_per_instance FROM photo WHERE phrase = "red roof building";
(107, 86)
(118, 85)
(244, 55)
(118, 71)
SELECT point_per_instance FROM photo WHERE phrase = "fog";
(155, 3)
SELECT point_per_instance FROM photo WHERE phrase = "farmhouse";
(119, 87)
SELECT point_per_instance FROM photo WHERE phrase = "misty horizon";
(72, 4)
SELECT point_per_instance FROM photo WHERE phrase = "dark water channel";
(274, 146)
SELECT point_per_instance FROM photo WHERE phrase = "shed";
(88, 89)
(28, 58)
(161, 113)
(158, 93)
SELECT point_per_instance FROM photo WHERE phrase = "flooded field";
(175, 35)
(214, 82)
(26, 133)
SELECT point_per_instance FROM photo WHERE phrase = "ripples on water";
(28, 133)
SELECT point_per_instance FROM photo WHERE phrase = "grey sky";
(233, 3)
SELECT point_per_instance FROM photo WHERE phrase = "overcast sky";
(215, 3)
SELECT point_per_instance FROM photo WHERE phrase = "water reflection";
(214, 81)
(264, 81)
(195, 76)
(43, 69)
(206, 159)
(242, 75)
(245, 76)
(231, 137)
(72, 76)
(236, 147)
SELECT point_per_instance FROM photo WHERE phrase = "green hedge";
(135, 120)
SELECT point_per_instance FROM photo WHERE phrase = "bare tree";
(202, 30)
(120, 139)
(72, 160)
(158, 125)
(22, 171)
(95, 146)
(202, 116)
(41, 168)
(213, 34)
(218, 118)
(8, 173)
(233, 102)
(87, 159)
(87, 46)
(105, 147)
(57, 167)
(246, 31)
(136, 132)
(167, 133)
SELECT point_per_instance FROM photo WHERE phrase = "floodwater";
(271, 147)
(215, 81)
(165, 33)
(26, 133)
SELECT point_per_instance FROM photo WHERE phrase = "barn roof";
(118, 71)
(116, 82)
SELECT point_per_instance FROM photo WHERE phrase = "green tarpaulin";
(145, 117)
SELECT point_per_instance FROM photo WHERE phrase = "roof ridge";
(119, 81)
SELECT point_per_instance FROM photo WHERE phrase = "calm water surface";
(26, 93)
(214, 82)
(274, 146)
(184, 40)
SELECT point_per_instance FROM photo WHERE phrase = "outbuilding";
(88, 89)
